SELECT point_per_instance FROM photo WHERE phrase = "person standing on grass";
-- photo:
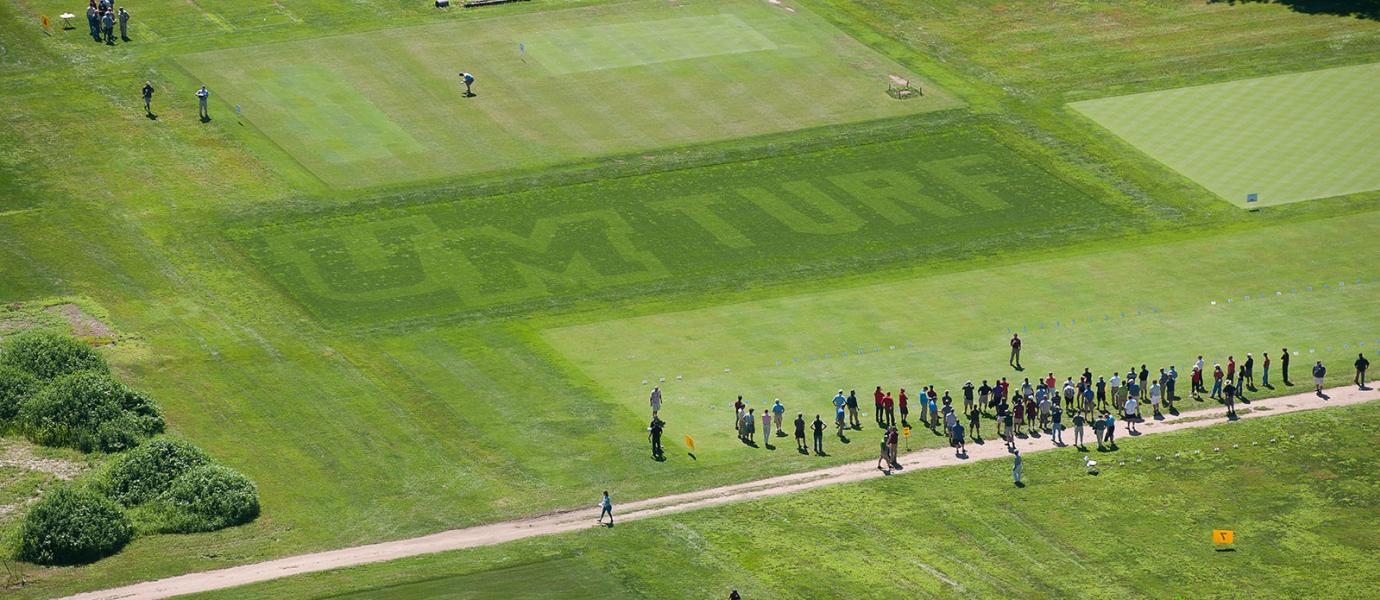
(1099, 427)
(893, 439)
(818, 428)
(1241, 384)
(877, 398)
(750, 425)
(93, 20)
(1030, 416)
(654, 436)
(902, 403)
(1008, 429)
(778, 411)
(766, 427)
(1087, 399)
(967, 396)
(1102, 390)
(1361, 365)
(1196, 383)
(852, 403)
(839, 401)
(1111, 430)
(201, 96)
(148, 97)
(957, 440)
(975, 422)
(1115, 385)
(1018, 414)
(1170, 384)
(934, 409)
(839, 418)
(108, 28)
(1056, 428)
(984, 395)
(124, 24)
(1026, 389)
(1284, 365)
(738, 408)
(1016, 468)
(800, 432)
(656, 400)
(950, 421)
(606, 506)
(1133, 391)
(1248, 371)
(1265, 369)
(889, 407)
(1216, 382)
(1069, 392)
(1318, 372)
(1042, 401)
(1231, 367)
(924, 398)
(1015, 351)
(1144, 377)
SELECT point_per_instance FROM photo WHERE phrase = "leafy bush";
(16, 386)
(207, 498)
(147, 471)
(89, 410)
(49, 355)
(70, 526)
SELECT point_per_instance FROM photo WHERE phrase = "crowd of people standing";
(102, 17)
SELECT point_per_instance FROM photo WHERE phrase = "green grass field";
(1285, 138)
(380, 108)
(1141, 529)
(453, 349)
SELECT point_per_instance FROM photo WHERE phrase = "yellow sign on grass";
(690, 443)
(1223, 537)
(906, 431)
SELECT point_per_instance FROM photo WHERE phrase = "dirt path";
(496, 533)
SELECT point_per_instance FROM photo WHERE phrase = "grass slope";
(1292, 486)
(1287, 138)
(386, 107)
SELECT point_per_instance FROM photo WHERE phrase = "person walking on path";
(1248, 371)
(1016, 468)
(656, 400)
(1361, 365)
(654, 436)
(148, 97)
(893, 439)
(1284, 366)
(852, 402)
(884, 456)
(1078, 422)
(1319, 371)
(1265, 370)
(778, 411)
(1057, 425)
(201, 96)
(800, 433)
(818, 427)
(606, 505)
(877, 399)
(1229, 399)
(1015, 351)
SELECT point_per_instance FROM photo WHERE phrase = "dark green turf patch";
(569, 578)
(950, 193)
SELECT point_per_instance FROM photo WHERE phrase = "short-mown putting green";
(386, 107)
(1284, 138)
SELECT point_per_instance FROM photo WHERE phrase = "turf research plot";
(387, 107)
(1282, 139)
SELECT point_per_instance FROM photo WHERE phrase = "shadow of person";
(206, 119)
(844, 439)
(1020, 484)
(1324, 396)
(749, 443)
(979, 441)
(151, 116)
(768, 445)
(821, 454)
(1173, 411)
(803, 451)
(659, 457)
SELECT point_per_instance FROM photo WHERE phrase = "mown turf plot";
(1284, 139)
(552, 87)
(951, 192)
(1157, 305)
(570, 579)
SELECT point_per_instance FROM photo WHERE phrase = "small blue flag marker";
(1252, 197)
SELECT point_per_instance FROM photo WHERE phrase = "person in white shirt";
(656, 401)
(1155, 397)
(1131, 407)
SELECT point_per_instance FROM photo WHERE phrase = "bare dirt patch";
(83, 325)
(22, 455)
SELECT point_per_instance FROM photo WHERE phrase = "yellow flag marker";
(690, 442)
(1223, 537)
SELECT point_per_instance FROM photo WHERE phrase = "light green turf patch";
(604, 80)
(1285, 138)
(1154, 305)
(598, 47)
(569, 579)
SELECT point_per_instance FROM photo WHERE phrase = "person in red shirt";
(1231, 368)
(890, 406)
(1050, 382)
(877, 398)
(901, 404)
(1265, 371)
(1005, 388)
(1197, 383)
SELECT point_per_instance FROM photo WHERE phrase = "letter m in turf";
(557, 255)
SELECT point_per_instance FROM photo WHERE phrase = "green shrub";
(207, 498)
(16, 386)
(89, 410)
(70, 526)
(48, 355)
(144, 473)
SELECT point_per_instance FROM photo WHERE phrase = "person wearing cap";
(656, 400)
(1015, 469)
(1361, 365)
(1319, 371)
(852, 402)
(124, 24)
(778, 411)
(148, 97)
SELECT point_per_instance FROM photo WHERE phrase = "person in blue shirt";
(1057, 416)
(778, 411)
(607, 509)
(468, 80)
